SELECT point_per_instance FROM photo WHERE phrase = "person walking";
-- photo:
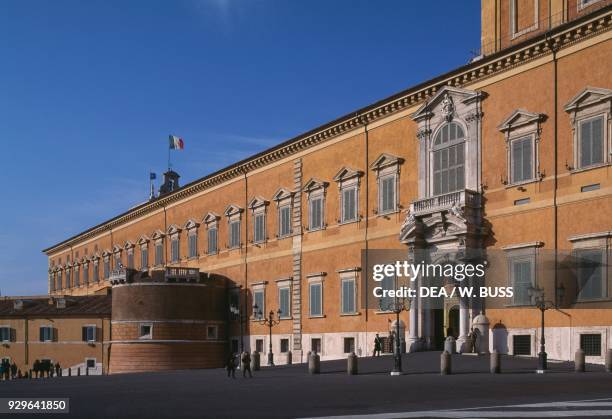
(58, 369)
(246, 364)
(2, 366)
(377, 345)
(231, 366)
(13, 371)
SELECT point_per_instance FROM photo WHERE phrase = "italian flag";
(176, 143)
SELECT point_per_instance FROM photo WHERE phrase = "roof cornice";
(561, 37)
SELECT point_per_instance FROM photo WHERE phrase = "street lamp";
(537, 294)
(270, 321)
(397, 306)
(238, 315)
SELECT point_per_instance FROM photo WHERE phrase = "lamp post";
(537, 295)
(397, 306)
(270, 321)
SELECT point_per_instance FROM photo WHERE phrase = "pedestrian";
(13, 370)
(473, 336)
(36, 367)
(246, 364)
(2, 370)
(58, 369)
(19, 374)
(377, 345)
(231, 366)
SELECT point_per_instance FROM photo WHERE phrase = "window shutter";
(41, 336)
(13, 335)
(517, 161)
(597, 140)
(84, 333)
(527, 159)
(585, 144)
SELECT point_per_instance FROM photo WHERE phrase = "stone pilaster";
(296, 300)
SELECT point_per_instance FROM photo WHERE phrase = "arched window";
(448, 155)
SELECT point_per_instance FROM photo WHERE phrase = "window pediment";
(173, 229)
(446, 101)
(128, 244)
(347, 173)
(386, 160)
(314, 184)
(589, 97)
(144, 239)
(211, 217)
(106, 253)
(282, 194)
(117, 249)
(158, 234)
(258, 202)
(233, 210)
(521, 118)
(191, 224)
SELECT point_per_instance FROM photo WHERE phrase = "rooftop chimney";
(171, 182)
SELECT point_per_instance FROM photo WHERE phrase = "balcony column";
(464, 326)
(413, 342)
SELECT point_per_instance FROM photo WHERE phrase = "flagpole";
(169, 165)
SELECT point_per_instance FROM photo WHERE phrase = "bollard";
(30, 374)
(450, 345)
(609, 360)
(86, 370)
(78, 371)
(314, 363)
(445, 363)
(579, 361)
(289, 358)
(351, 364)
(495, 362)
(255, 361)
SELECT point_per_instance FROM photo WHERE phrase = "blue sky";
(90, 90)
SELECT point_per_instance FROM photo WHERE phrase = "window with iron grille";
(284, 345)
(590, 343)
(521, 344)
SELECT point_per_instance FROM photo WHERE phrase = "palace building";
(511, 153)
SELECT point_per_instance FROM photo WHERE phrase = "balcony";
(182, 274)
(461, 199)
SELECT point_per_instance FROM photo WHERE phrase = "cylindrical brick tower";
(173, 319)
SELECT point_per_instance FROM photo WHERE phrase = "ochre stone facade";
(543, 84)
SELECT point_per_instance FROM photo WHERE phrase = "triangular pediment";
(347, 173)
(173, 229)
(190, 224)
(106, 253)
(158, 234)
(519, 118)
(232, 210)
(128, 244)
(282, 193)
(117, 248)
(386, 160)
(589, 96)
(257, 202)
(314, 184)
(211, 217)
(144, 239)
(454, 94)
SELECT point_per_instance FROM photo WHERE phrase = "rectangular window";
(284, 345)
(315, 345)
(349, 345)
(86, 273)
(118, 260)
(159, 253)
(259, 227)
(106, 268)
(284, 221)
(522, 201)
(348, 296)
(211, 332)
(387, 284)
(68, 278)
(91, 363)
(96, 272)
(5, 334)
(46, 334)
(259, 301)
(144, 258)
(212, 240)
(521, 345)
(590, 274)
(591, 142)
(89, 333)
(59, 280)
(349, 205)
(174, 249)
(589, 188)
(145, 331)
(522, 280)
(130, 259)
(591, 344)
(193, 244)
(77, 277)
(259, 345)
(315, 213)
(448, 169)
(316, 299)
(234, 239)
(387, 194)
(284, 303)
(522, 160)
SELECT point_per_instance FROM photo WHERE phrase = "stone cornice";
(561, 37)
